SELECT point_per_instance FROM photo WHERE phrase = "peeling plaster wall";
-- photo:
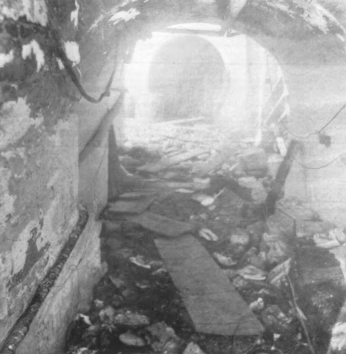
(38, 206)
(41, 181)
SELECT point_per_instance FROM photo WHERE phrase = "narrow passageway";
(196, 261)
(172, 176)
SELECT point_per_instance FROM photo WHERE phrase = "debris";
(164, 339)
(276, 321)
(253, 159)
(239, 237)
(279, 274)
(334, 238)
(162, 225)
(111, 227)
(193, 348)
(281, 224)
(338, 340)
(208, 235)
(252, 273)
(98, 304)
(275, 248)
(254, 258)
(203, 199)
(174, 160)
(184, 191)
(139, 261)
(107, 314)
(201, 183)
(223, 260)
(142, 284)
(85, 318)
(117, 282)
(85, 351)
(128, 318)
(131, 339)
(240, 283)
(255, 231)
(208, 166)
(257, 305)
(160, 271)
(130, 206)
(276, 336)
(136, 195)
(307, 228)
(258, 192)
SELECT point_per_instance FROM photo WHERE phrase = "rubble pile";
(287, 266)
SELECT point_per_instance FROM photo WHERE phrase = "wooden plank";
(135, 195)
(136, 206)
(205, 167)
(174, 160)
(162, 225)
(213, 303)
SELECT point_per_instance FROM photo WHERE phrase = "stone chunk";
(307, 228)
(253, 159)
(193, 348)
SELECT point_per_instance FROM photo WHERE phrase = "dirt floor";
(284, 264)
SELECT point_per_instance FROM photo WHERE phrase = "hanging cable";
(318, 131)
(61, 54)
(316, 168)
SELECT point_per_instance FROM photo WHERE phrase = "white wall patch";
(34, 48)
(34, 11)
(124, 16)
(74, 14)
(72, 51)
(6, 58)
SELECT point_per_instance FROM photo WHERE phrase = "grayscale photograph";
(173, 176)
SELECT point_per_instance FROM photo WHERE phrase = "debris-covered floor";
(197, 263)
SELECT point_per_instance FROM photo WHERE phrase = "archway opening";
(187, 73)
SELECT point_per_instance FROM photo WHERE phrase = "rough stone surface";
(71, 294)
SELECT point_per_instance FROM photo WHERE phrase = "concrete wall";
(309, 44)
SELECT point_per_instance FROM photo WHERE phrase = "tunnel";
(213, 204)
(188, 74)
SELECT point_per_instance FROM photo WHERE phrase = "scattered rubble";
(279, 261)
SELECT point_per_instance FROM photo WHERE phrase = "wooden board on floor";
(213, 303)
(135, 195)
(161, 224)
(174, 160)
(135, 206)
